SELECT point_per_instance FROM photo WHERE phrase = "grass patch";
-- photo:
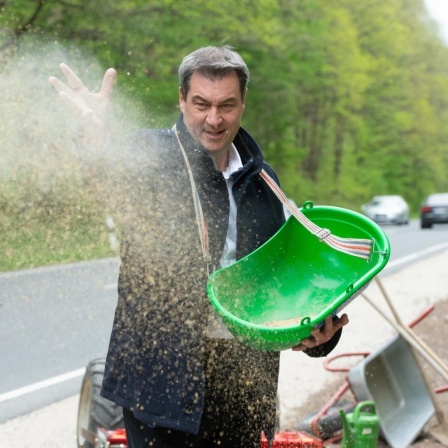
(52, 225)
(42, 244)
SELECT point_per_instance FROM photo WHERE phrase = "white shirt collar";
(234, 162)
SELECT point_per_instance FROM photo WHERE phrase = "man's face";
(212, 111)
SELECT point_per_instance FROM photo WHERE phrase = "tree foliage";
(348, 98)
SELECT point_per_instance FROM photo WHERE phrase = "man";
(179, 375)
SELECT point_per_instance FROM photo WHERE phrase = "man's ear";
(181, 99)
(244, 97)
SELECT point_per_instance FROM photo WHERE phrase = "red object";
(292, 440)
(439, 390)
(117, 439)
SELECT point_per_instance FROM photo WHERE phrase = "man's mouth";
(215, 134)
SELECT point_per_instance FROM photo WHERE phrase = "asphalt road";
(54, 320)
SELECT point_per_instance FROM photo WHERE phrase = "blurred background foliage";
(347, 98)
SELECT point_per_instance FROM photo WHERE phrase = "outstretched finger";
(108, 82)
(74, 82)
(58, 85)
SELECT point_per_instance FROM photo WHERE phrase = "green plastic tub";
(272, 298)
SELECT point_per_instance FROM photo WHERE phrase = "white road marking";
(57, 267)
(41, 385)
(416, 255)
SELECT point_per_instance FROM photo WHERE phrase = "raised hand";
(93, 108)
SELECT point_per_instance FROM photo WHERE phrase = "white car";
(388, 209)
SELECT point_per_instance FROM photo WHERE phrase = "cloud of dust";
(45, 166)
(40, 132)
(41, 172)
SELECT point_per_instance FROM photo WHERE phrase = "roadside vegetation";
(347, 98)
(42, 226)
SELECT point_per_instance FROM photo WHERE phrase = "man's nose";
(214, 117)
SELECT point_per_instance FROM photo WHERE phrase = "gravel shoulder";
(305, 385)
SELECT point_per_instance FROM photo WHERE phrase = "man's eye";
(227, 107)
(201, 105)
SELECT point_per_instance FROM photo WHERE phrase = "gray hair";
(214, 63)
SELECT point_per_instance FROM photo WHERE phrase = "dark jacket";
(154, 363)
